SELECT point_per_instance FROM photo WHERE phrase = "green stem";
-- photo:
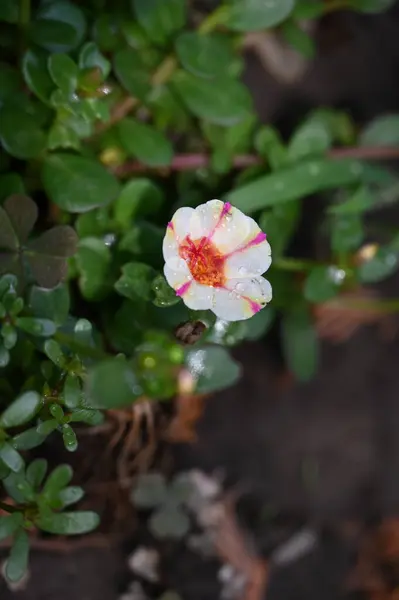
(8, 508)
(292, 264)
(24, 20)
(162, 74)
(78, 347)
(216, 18)
(24, 13)
(386, 306)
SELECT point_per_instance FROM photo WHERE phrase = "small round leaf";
(22, 410)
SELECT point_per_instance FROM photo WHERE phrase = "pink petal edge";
(183, 288)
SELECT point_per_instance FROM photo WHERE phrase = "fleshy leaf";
(17, 562)
(68, 523)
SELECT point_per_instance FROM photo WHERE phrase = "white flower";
(215, 256)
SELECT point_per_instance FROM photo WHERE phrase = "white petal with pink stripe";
(215, 256)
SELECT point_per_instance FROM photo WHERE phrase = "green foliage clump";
(113, 115)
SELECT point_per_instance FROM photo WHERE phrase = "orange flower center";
(205, 262)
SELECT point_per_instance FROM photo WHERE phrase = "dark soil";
(323, 455)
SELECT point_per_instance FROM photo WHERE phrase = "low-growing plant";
(113, 115)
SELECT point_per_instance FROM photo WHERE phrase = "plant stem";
(8, 508)
(293, 264)
(24, 13)
(78, 347)
(190, 162)
(162, 74)
(213, 20)
(24, 20)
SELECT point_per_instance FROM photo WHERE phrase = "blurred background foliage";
(113, 115)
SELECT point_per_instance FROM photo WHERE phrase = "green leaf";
(370, 6)
(34, 69)
(300, 344)
(72, 392)
(298, 39)
(17, 562)
(11, 458)
(87, 415)
(17, 487)
(132, 73)
(19, 133)
(149, 491)
(90, 57)
(56, 412)
(112, 384)
(382, 131)
(28, 439)
(68, 523)
(382, 265)
(9, 335)
(10, 81)
(225, 104)
(71, 495)
(295, 182)
(145, 143)
(160, 19)
(138, 197)
(254, 15)
(11, 183)
(347, 233)
(69, 438)
(53, 304)
(57, 480)
(279, 224)
(357, 203)
(169, 521)
(213, 368)
(60, 26)
(4, 356)
(22, 213)
(34, 326)
(269, 144)
(135, 281)
(64, 72)
(9, 11)
(47, 427)
(78, 184)
(164, 294)
(54, 352)
(61, 136)
(36, 472)
(93, 261)
(204, 55)
(22, 410)
(106, 32)
(9, 524)
(321, 284)
(307, 9)
(311, 138)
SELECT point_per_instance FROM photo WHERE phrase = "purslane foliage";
(100, 103)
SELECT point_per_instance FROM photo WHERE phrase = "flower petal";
(199, 297)
(170, 247)
(177, 273)
(232, 229)
(209, 215)
(241, 298)
(252, 258)
(185, 222)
